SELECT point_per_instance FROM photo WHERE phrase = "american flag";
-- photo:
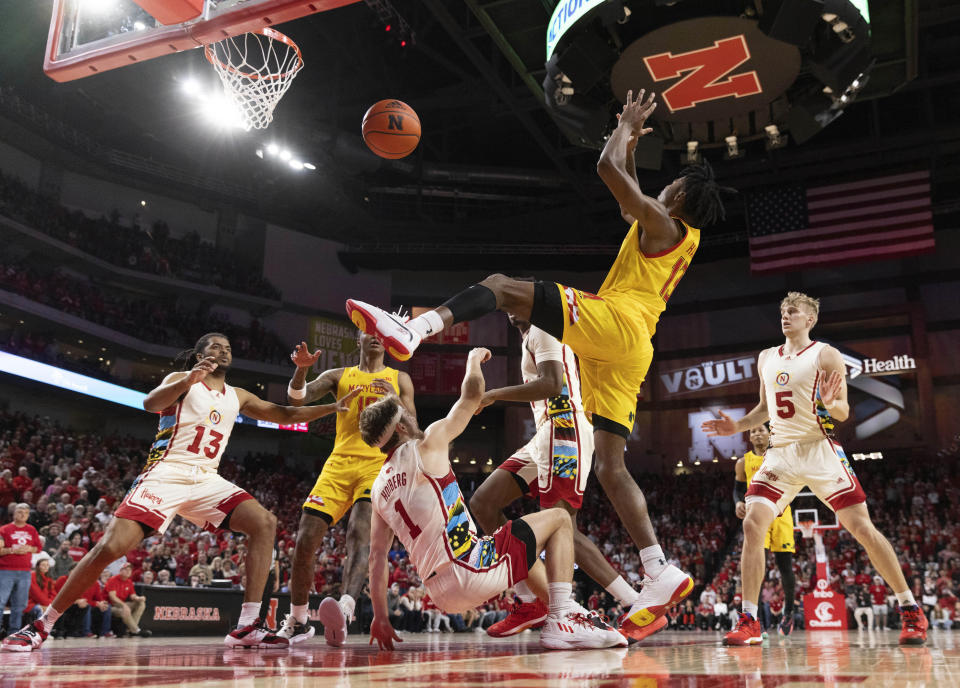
(792, 227)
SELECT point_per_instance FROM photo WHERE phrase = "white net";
(256, 70)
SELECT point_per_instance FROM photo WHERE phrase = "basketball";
(391, 129)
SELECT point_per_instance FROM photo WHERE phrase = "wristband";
(296, 393)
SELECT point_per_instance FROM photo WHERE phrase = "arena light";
(774, 137)
(309, 165)
(92, 387)
(273, 149)
(139, 26)
(296, 165)
(190, 86)
(99, 6)
(692, 156)
(285, 155)
(679, 464)
(733, 150)
(697, 462)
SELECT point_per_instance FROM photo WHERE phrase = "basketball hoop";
(256, 69)
(807, 528)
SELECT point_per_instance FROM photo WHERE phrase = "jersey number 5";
(785, 407)
(212, 448)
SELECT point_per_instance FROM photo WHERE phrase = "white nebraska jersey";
(195, 430)
(792, 385)
(538, 346)
(427, 513)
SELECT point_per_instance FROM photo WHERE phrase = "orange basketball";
(391, 129)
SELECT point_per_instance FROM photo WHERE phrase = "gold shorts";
(612, 342)
(780, 536)
(343, 481)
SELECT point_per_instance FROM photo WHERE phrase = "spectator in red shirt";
(77, 550)
(878, 593)
(41, 590)
(22, 482)
(18, 541)
(125, 602)
(77, 621)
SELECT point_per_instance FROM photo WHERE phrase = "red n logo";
(706, 69)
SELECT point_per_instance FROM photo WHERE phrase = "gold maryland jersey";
(348, 440)
(751, 464)
(642, 284)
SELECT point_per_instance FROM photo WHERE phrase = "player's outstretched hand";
(302, 358)
(343, 403)
(485, 401)
(479, 354)
(725, 425)
(636, 112)
(381, 385)
(203, 368)
(382, 631)
(830, 387)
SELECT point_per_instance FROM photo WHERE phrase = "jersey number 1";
(411, 526)
(212, 448)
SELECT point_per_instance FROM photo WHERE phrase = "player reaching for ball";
(803, 389)
(609, 331)
(197, 411)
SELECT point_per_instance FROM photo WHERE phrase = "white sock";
(622, 591)
(750, 608)
(523, 592)
(653, 560)
(299, 612)
(49, 618)
(426, 324)
(559, 597)
(906, 599)
(249, 611)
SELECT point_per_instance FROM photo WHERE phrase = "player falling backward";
(554, 465)
(609, 332)
(779, 539)
(416, 497)
(803, 390)
(343, 485)
(197, 411)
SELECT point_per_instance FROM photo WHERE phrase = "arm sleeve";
(739, 491)
(543, 346)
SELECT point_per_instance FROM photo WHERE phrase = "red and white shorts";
(556, 463)
(819, 464)
(166, 490)
(500, 561)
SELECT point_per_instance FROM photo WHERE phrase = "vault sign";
(707, 68)
(708, 375)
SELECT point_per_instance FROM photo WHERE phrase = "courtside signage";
(876, 367)
(709, 374)
(566, 14)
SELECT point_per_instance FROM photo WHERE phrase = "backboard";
(91, 36)
(807, 507)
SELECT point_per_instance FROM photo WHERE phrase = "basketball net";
(809, 530)
(256, 69)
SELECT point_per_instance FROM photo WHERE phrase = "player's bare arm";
(632, 171)
(323, 384)
(833, 384)
(549, 383)
(254, 407)
(175, 385)
(660, 231)
(434, 445)
(406, 392)
(381, 537)
(758, 415)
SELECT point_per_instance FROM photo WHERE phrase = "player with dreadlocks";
(609, 331)
(197, 411)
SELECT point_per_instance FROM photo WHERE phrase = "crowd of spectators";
(146, 249)
(158, 320)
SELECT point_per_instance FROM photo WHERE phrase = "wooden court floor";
(682, 659)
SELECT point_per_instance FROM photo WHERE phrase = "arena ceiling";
(492, 169)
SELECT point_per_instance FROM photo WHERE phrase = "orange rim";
(269, 33)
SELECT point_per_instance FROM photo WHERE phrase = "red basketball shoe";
(915, 625)
(29, 638)
(524, 615)
(748, 632)
(634, 633)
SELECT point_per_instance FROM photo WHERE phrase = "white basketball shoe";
(399, 340)
(578, 629)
